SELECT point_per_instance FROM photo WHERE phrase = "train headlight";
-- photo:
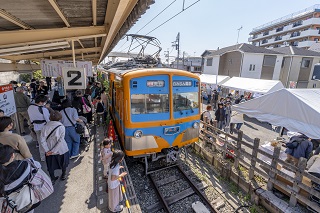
(195, 125)
(138, 134)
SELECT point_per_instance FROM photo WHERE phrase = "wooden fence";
(301, 181)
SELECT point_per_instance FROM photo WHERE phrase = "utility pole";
(166, 54)
(176, 44)
(238, 34)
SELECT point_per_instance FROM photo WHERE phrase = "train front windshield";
(185, 101)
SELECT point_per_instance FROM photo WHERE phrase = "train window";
(185, 101)
(149, 103)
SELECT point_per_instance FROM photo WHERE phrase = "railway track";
(188, 188)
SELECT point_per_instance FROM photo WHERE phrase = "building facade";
(300, 29)
(191, 64)
(243, 60)
(297, 67)
(293, 66)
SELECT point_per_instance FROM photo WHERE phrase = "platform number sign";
(74, 78)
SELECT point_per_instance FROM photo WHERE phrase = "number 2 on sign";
(73, 81)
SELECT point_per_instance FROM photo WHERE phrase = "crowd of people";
(53, 125)
(226, 119)
(230, 121)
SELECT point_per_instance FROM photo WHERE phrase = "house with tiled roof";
(243, 60)
(249, 61)
(297, 67)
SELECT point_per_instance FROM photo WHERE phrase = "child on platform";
(100, 111)
(114, 189)
(106, 155)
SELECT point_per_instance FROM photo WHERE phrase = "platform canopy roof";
(297, 110)
(48, 29)
(253, 85)
(213, 79)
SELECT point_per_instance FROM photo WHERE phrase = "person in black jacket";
(220, 116)
(11, 170)
(100, 111)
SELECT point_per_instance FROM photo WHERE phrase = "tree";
(38, 75)
(26, 77)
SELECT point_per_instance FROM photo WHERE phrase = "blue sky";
(210, 24)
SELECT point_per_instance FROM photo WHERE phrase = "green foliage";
(234, 189)
(38, 75)
(26, 77)
(105, 84)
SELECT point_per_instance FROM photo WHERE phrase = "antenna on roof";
(239, 33)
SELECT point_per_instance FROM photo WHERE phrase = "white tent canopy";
(253, 85)
(297, 110)
(213, 79)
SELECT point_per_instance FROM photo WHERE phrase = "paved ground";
(76, 194)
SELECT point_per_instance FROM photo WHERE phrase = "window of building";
(279, 29)
(252, 67)
(282, 64)
(278, 38)
(316, 39)
(266, 33)
(269, 60)
(305, 62)
(295, 34)
(264, 41)
(209, 62)
(297, 23)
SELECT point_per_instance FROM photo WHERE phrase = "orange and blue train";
(156, 111)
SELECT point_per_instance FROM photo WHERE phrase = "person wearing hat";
(42, 89)
(220, 116)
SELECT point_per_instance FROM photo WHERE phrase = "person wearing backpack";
(55, 146)
(39, 116)
(297, 147)
(14, 175)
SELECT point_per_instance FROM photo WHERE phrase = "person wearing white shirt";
(39, 116)
(55, 146)
(69, 119)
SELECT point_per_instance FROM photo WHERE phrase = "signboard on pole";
(53, 68)
(7, 103)
(74, 78)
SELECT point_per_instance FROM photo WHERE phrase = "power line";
(172, 17)
(156, 16)
(122, 45)
(166, 21)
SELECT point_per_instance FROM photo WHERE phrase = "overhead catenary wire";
(172, 17)
(156, 16)
(165, 21)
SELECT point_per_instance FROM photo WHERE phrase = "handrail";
(287, 17)
(207, 130)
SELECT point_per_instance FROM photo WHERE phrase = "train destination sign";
(155, 83)
(182, 83)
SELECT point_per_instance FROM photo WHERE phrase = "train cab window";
(185, 101)
(149, 103)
